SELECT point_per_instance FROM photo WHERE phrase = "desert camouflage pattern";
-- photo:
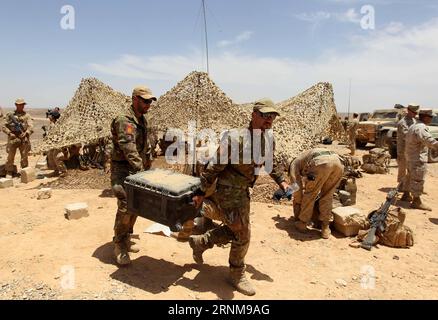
(15, 141)
(317, 172)
(418, 140)
(130, 153)
(402, 129)
(230, 202)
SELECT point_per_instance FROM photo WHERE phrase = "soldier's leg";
(335, 171)
(24, 154)
(12, 149)
(403, 178)
(418, 174)
(239, 248)
(123, 218)
(310, 192)
(297, 199)
(220, 235)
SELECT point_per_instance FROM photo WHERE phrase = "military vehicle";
(387, 137)
(376, 128)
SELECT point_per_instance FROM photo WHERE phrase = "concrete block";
(76, 210)
(348, 220)
(6, 183)
(44, 193)
(42, 164)
(28, 175)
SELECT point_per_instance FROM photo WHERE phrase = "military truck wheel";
(433, 156)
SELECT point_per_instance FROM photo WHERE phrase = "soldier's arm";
(5, 129)
(29, 129)
(428, 139)
(126, 140)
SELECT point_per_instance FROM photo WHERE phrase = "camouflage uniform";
(352, 133)
(402, 129)
(131, 153)
(56, 158)
(230, 202)
(317, 172)
(418, 140)
(14, 142)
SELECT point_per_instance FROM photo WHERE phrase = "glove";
(280, 194)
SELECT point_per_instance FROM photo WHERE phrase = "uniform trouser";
(416, 175)
(124, 223)
(56, 158)
(236, 226)
(13, 145)
(352, 143)
(327, 177)
(403, 173)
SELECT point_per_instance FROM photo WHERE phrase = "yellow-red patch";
(129, 129)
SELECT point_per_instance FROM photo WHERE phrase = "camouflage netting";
(87, 117)
(196, 98)
(306, 119)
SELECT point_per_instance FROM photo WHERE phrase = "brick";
(6, 183)
(42, 165)
(28, 175)
(348, 220)
(76, 210)
(44, 193)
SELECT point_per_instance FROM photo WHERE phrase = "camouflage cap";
(426, 112)
(143, 92)
(265, 106)
(20, 101)
(413, 107)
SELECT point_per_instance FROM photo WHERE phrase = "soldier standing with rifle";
(131, 153)
(18, 126)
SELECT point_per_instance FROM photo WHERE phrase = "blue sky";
(257, 48)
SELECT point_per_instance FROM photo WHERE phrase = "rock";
(354, 278)
(348, 220)
(76, 210)
(396, 257)
(341, 282)
(6, 183)
(41, 164)
(28, 175)
(44, 193)
(394, 274)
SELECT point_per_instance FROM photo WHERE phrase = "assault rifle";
(378, 218)
(18, 128)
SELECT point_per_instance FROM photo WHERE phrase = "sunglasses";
(147, 101)
(268, 116)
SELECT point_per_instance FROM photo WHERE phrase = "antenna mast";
(206, 38)
(349, 99)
